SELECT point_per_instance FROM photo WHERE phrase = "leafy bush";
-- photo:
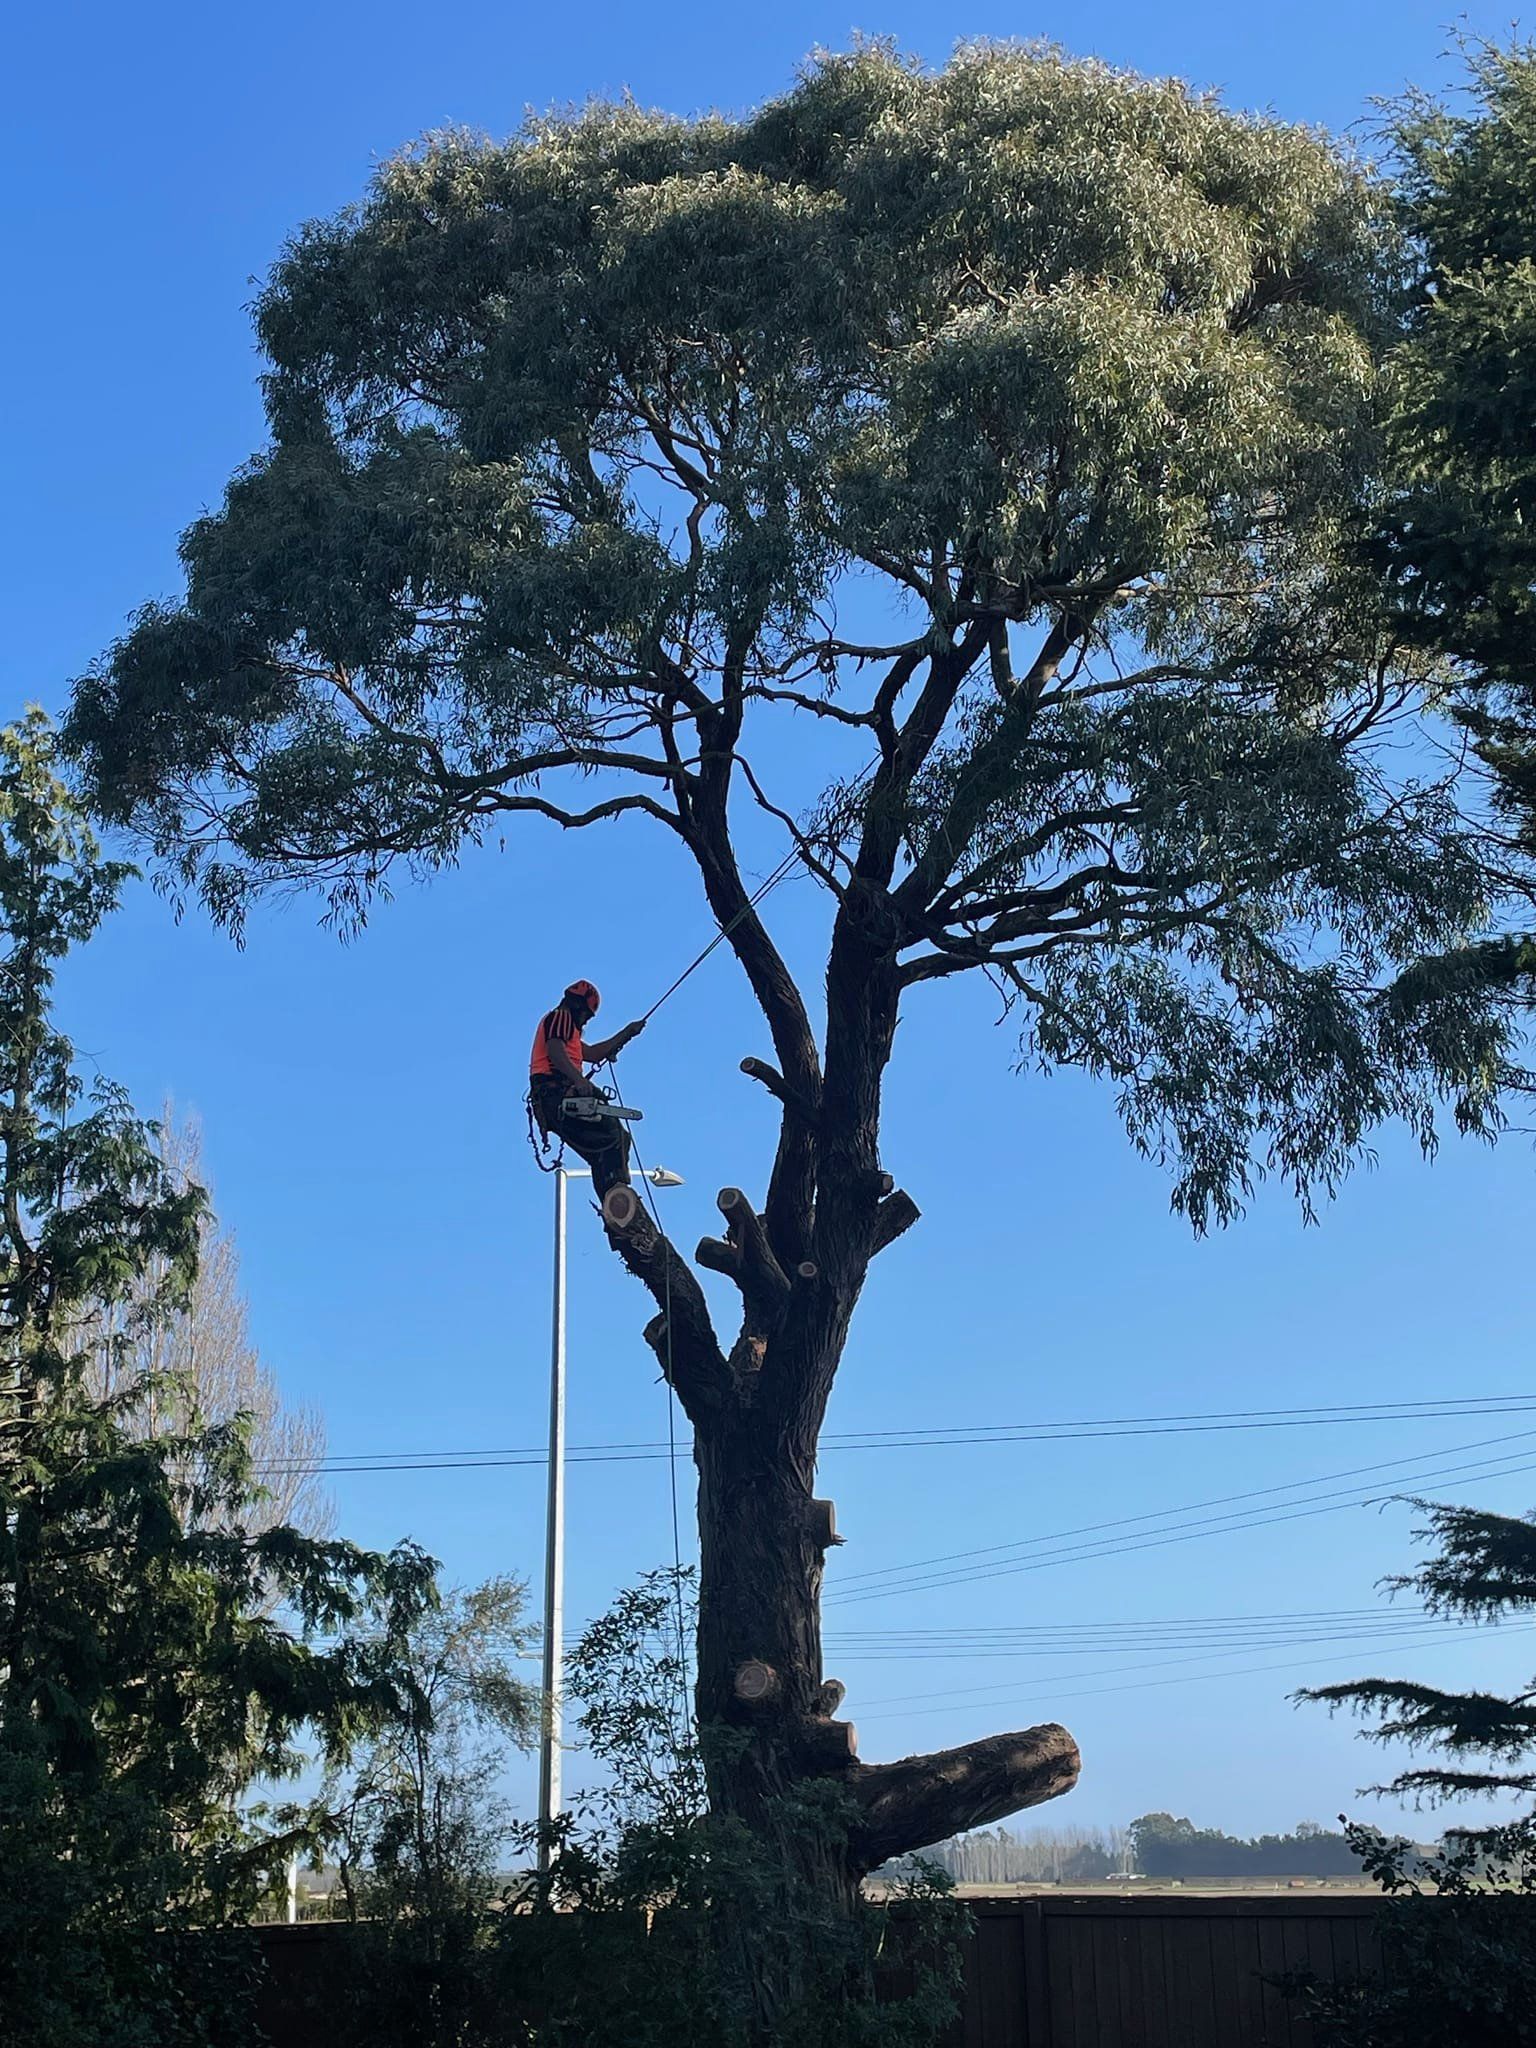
(1458, 1937)
(638, 1933)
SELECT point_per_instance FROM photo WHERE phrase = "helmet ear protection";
(584, 992)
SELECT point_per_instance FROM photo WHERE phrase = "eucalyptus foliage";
(1004, 428)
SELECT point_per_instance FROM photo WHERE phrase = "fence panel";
(1139, 1970)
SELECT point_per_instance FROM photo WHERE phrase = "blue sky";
(362, 1102)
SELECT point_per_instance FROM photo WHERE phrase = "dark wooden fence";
(1154, 1970)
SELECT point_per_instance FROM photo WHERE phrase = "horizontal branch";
(823, 707)
(925, 1799)
(614, 807)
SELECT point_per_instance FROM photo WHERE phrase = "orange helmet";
(584, 992)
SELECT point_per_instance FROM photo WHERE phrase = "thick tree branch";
(774, 1082)
(925, 1799)
(791, 1190)
(885, 811)
(895, 1215)
(682, 1335)
(762, 1279)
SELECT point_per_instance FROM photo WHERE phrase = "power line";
(930, 1574)
(1190, 1507)
(965, 1435)
(975, 1645)
(980, 1694)
(887, 1711)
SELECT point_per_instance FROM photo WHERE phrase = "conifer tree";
(146, 1692)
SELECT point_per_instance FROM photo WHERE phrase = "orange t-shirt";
(562, 1025)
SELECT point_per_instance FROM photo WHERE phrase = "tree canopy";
(1006, 423)
(1456, 531)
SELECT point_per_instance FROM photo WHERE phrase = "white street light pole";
(554, 1527)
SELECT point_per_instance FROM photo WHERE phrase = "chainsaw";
(595, 1109)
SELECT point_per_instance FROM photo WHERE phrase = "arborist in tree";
(558, 1085)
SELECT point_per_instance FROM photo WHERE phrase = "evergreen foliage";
(1459, 1933)
(1482, 1569)
(145, 1692)
(1456, 535)
(1062, 388)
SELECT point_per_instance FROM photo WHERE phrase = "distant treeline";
(1165, 1847)
(1157, 1845)
(1042, 1856)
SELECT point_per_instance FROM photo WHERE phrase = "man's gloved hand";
(633, 1030)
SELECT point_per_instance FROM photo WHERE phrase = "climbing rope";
(684, 1715)
(540, 1144)
(723, 932)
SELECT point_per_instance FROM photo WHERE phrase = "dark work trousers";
(603, 1143)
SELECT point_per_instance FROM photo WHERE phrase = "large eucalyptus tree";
(998, 429)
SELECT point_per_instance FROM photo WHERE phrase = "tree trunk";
(777, 1758)
(763, 1540)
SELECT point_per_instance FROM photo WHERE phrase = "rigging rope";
(724, 931)
(684, 1713)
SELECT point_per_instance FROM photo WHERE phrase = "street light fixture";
(554, 1530)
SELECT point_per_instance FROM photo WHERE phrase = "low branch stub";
(823, 1521)
(830, 1743)
(831, 1696)
(755, 1682)
(621, 1205)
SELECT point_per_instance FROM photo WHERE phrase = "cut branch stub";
(829, 1745)
(756, 1682)
(758, 1273)
(681, 1334)
(621, 1206)
(924, 1799)
(774, 1082)
(719, 1257)
(896, 1214)
(831, 1696)
(823, 1524)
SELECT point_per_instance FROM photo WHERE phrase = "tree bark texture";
(756, 1412)
(799, 1262)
